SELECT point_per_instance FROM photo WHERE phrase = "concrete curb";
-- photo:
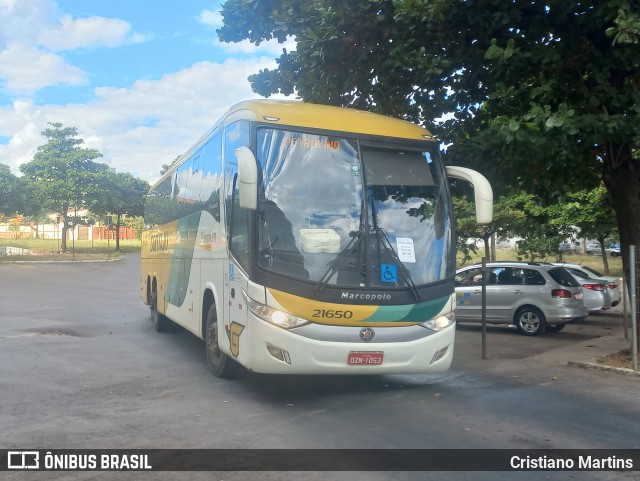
(115, 259)
(604, 367)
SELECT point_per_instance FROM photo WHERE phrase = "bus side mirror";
(482, 191)
(247, 178)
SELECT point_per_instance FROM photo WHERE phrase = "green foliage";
(11, 195)
(544, 94)
(590, 211)
(537, 226)
(62, 175)
(120, 194)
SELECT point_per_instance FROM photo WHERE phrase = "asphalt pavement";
(85, 369)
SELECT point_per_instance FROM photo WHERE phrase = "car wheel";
(555, 328)
(530, 321)
(218, 362)
(160, 322)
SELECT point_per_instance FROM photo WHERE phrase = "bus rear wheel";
(160, 322)
(218, 362)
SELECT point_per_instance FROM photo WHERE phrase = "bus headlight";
(441, 322)
(274, 316)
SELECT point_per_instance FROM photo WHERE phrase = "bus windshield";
(352, 213)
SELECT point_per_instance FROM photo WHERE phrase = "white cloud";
(271, 47)
(212, 18)
(88, 32)
(137, 129)
(26, 69)
(33, 31)
(140, 128)
(20, 19)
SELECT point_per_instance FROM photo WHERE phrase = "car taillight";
(561, 294)
(594, 287)
(613, 285)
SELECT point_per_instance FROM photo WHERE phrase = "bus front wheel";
(219, 363)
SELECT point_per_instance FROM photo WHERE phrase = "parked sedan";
(532, 296)
(596, 295)
(583, 272)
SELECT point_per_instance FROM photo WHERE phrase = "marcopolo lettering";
(365, 296)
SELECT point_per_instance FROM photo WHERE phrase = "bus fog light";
(441, 322)
(279, 354)
(439, 354)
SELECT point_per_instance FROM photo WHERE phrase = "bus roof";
(301, 114)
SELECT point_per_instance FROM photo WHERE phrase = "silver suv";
(532, 296)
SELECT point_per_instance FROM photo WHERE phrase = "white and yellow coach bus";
(304, 239)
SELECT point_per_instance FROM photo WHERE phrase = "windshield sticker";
(388, 273)
(406, 252)
(355, 170)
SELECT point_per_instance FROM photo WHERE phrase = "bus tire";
(218, 362)
(160, 322)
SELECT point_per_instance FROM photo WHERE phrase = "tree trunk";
(621, 178)
(118, 233)
(493, 246)
(487, 249)
(63, 238)
(603, 254)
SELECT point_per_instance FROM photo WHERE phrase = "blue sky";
(141, 80)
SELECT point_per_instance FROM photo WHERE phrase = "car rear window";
(563, 277)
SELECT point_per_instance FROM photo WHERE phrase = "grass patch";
(48, 249)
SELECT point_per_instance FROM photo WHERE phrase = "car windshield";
(343, 212)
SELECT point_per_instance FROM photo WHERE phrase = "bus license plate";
(365, 358)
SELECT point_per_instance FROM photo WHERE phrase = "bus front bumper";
(265, 348)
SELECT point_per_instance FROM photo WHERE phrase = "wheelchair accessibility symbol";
(388, 273)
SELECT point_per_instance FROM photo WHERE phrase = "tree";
(533, 222)
(545, 94)
(548, 88)
(120, 194)
(11, 197)
(591, 213)
(62, 174)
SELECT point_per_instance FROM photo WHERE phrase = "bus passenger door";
(239, 249)
(236, 318)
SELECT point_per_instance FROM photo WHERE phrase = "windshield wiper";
(338, 262)
(389, 247)
(380, 232)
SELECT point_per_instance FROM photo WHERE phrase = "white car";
(583, 272)
(595, 249)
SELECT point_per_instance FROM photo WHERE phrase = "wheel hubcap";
(529, 322)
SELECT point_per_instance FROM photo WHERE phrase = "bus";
(296, 238)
